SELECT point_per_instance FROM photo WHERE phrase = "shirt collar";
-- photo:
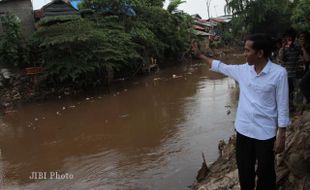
(265, 70)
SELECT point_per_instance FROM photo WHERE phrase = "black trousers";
(248, 152)
(305, 86)
(291, 89)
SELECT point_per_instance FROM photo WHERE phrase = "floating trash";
(124, 115)
(175, 76)
(63, 108)
(228, 112)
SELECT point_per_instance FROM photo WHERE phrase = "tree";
(173, 5)
(109, 40)
(83, 59)
(252, 16)
(301, 15)
(13, 50)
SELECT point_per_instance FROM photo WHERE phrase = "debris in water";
(30, 124)
(36, 119)
(63, 108)
(58, 113)
(228, 112)
(175, 76)
(124, 115)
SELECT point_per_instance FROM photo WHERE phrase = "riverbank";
(292, 166)
(20, 89)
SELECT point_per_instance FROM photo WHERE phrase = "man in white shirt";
(262, 114)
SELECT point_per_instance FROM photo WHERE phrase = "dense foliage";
(301, 15)
(84, 51)
(12, 46)
(269, 16)
(83, 58)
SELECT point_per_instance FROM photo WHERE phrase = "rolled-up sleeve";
(282, 101)
(232, 71)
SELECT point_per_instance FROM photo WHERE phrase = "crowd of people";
(292, 51)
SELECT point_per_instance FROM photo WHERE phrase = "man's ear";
(260, 53)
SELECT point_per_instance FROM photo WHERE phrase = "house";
(23, 10)
(56, 8)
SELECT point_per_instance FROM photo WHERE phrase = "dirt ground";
(292, 166)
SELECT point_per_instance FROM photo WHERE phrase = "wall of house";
(23, 9)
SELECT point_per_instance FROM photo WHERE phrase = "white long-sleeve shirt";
(263, 101)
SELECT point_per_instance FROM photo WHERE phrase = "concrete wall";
(23, 9)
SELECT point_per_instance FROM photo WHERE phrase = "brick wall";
(22, 9)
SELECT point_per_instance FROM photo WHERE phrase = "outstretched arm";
(232, 71)
(196, 51)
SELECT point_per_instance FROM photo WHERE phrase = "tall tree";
(251, 16)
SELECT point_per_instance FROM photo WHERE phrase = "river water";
(146, 134)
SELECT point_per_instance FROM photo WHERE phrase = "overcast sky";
(191, 7)
(200, 7)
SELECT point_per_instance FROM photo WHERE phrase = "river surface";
(146, 134)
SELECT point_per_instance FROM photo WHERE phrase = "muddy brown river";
(146, 134)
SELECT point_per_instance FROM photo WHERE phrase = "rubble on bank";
(292, 166)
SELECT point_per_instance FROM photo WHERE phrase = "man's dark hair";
(306, 35)
(290, 33)
(262, 42)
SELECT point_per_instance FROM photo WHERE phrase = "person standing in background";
(290, 58)
(304, 40)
